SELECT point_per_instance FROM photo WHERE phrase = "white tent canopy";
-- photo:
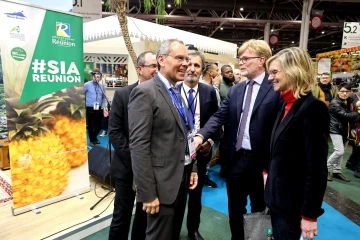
(109, 27)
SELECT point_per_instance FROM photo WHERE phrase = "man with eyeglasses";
(95, 104)
(251, 109)
(161, 144)
(324, 90)
(121, 168)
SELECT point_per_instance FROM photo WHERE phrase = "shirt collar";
(259, 79)
(165, 81)
(187, 88)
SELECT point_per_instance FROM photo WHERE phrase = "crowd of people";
(270, 119)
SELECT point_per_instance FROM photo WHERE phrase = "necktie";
(191, 106)
(244, 115)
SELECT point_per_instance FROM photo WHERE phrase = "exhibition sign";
(351, 35)
(42, 65)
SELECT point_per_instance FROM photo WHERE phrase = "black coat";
(297, 174)
(340, 116)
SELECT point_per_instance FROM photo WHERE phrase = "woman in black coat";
(297, 172)
(341, 115)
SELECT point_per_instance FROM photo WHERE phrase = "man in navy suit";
(202, 104)
(250, 108)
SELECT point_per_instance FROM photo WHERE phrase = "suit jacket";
(208, 104)
(119, 132)
(298, 167)
(157, 143)
(262, 119)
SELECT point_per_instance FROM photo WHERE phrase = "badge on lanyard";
(96, 106)
(191, 144)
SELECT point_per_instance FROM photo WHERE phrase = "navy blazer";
(297, 176)
(119, 132)
(262, 119)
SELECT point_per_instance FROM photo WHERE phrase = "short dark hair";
(325, 73)
(345, 85)
(225, 66)
(141, 58)
(208, 66)
(201, 56)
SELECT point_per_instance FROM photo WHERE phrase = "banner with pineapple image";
(42, 65)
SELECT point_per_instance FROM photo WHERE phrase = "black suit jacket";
(262, 119)
(208, 104)
(119, 132)
(298, 167)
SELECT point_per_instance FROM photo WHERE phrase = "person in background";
(238, 77)
(120, 167)
(341, 114)
(201, 102)
(212, 77)
(250, 109)
(159, 128)
(297, 173)
(95, 105)
(324, 90)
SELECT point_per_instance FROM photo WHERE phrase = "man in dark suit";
(159, 125)
(250, 108)
(121, 165)
(201, 104)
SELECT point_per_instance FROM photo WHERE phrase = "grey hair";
(141, 58)
(196, 53)
(164, 48)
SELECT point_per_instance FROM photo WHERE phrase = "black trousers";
(223, 147)
(194, 201)
(285, 229)
(239, 186)
(166, 225)
(123, 206)
(94, 122)
(354, 159)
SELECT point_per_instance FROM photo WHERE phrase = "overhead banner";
(42, 66)
(63, 5)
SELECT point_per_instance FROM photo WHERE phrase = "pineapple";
(39, 165)
(70, 123)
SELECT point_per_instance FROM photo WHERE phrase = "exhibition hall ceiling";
(239, 20)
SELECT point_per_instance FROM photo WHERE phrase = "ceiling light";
(169, 5)
(241, 9)
(333, 43)
(102, 2)
(292, 42)
(322, 32)
(221, 29)
(272, 30)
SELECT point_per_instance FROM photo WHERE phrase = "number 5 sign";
(351, 35)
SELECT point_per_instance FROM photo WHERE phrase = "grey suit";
(157, 146)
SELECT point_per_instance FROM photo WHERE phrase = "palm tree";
(119, 7)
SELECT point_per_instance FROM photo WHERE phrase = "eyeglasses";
(180, 58)
(346, 92)
(274, 72)
(150, 66)
(244, 59)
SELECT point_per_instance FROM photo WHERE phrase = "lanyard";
(189, 104)
(178, 104)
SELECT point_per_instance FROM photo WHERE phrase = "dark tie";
(191, 107)
(244, 116)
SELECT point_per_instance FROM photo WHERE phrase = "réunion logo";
(16, 34)
(63, 29)
(17, 15)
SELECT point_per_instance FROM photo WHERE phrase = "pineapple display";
(38, 157)
(70, 123)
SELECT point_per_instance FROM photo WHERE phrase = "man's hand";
(216, 80)
(198, 141)
(205, 148)
(309, 229)
(265, 175)
(358, 103)
(193, 180)
(152, 207)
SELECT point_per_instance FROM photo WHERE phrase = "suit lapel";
(240, 94)
(168, 100)
(263, 91)
(276, 125)
(202, 98)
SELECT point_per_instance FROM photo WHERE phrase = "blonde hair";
(297, 66)
(258, 46)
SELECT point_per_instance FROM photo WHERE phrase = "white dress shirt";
(246, 144)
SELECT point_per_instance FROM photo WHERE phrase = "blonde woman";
(297, 172)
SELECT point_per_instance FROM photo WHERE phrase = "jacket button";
(182, 161)
(181, 140)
